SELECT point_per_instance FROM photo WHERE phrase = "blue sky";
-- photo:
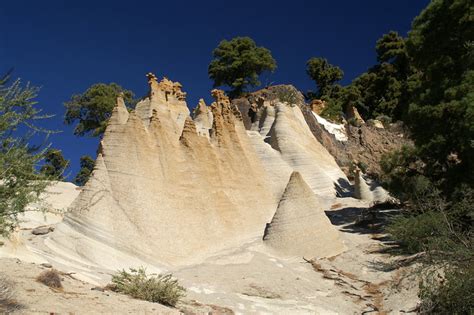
(66, 46)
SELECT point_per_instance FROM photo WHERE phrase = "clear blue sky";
(65, 46)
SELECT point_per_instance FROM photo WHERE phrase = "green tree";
(20, 184)
(87, 166)
(391, 48)
(435, 178)
(384, 87)
(55, 164)
(238, 63)
(324, 74)
(441, 112)
(91, 110)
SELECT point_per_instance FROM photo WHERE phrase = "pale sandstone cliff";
(172, 190)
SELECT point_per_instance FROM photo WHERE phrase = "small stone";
(42, 230)
(47, 265)
(98, 289)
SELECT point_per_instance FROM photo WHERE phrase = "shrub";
(417, 233)
(7, 296)
(136, 283)
(354, 122)
(451, 294)
(51, 278)
(333, 111)
(384, 119)
(289, 96)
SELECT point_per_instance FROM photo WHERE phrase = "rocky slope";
(364, 144)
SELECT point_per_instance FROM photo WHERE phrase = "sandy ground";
(245, 280)
(76, 297)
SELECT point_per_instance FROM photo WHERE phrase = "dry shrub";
(7, 296)
(51, 278)
(136, 283)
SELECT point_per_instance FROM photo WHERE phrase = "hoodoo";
(300, 227)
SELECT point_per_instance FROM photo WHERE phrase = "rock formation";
(203, 118)
(353, 113)
(300, 227)
(361, 189)
(317, 106)
(365, 143)
(173, 190)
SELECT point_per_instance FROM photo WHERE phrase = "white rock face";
(166, 194)
(338, 130)
(361, 189)
(300, 227)
(291, 136)
(167, 191)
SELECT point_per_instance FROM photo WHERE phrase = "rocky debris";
(46, 265)
(376, 123)
(300, 227)
(42, 230)
(317, 106)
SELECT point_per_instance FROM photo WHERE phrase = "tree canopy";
(441, 111)
(21, 184)
(91, 110)
(87, 164)
(55, 164)
(238, 63)
(324, 74)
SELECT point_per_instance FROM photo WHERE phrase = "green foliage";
(324, 74)
(55, 164)
(238, 63)
(290, 96)
(87, 166)
(21, 184)
(419, 232)
(91, 110)
(391, 48)
(441, 113)
(136, 283)
(338, 101)
(453, 294)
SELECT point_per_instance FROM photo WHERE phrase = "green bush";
(289, 96)
(451, 294)
(417, 233)
(333, 111)
(160, 289)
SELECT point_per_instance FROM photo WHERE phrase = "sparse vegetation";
(21, 183)
(287, 95)
(162, 288)
(8, 302)
(50, 278)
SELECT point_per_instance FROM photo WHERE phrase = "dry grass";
(8, 302)
(51, 278)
